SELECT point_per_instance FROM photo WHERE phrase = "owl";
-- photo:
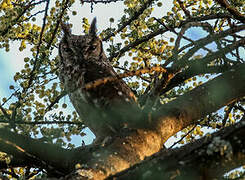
(82, 60)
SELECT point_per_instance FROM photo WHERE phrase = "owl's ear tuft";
(66, 29)
(93, 29)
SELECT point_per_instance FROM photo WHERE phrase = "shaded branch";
(163, 82)
(204, 41)
(197, 68)
(27, 151)
(233, 11)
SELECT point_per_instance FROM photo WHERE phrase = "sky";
(12, 61)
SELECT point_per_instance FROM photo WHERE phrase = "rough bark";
(206, 158)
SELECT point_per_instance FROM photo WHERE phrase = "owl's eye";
(66, 49)
(91, 48)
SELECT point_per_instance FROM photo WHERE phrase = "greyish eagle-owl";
(82, 60)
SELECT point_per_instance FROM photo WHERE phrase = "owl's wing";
(112, 92)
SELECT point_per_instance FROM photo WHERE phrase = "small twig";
(13, 94)
(32, 73)
(187, 13)
(227, 114)
(134, 17)
(239, 108)
(31, 4)
(44, 122)
(204, 41)
(6, 30)
(233, 11)
(62, 94)
(136, 43)
(183, 136)
(161, 31)
(124, 69)
(33, 15)
(58, 23)
(105, 80)
(39, 44)
(205, 18)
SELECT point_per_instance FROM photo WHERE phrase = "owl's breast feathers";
(102, 96)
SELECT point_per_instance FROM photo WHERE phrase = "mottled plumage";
(82, 60)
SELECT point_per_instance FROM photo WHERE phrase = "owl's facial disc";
(91, 48)
(67, 46)
(66, 29)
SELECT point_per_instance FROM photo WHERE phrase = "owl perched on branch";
(82, 60)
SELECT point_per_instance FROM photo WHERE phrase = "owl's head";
(80, 47)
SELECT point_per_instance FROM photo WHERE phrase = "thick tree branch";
(132, 146)
(186, 109)
(206, 158)
(27, 151)
(197, 68)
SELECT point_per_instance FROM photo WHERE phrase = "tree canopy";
(188, 86)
